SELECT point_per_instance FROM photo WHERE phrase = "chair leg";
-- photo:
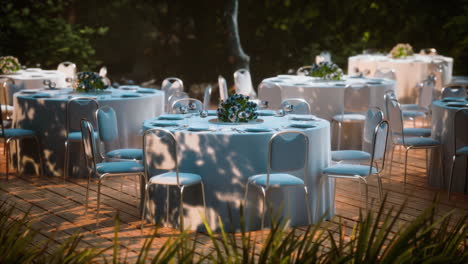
(65, 166)
(39, 153)
(406, 166)
(18, 156)
(391, 162)
(98, 202)
(451, 176)
(339, 136)
(87, 194)
(367, 192)
(143, 208)
(263, 208)
(8, 158)
(181, 208)
(204, 200)
(379, 179)
(309, 217)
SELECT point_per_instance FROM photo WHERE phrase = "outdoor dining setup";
(249, 153)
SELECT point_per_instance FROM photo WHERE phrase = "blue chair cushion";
(170, 178)
(17, 132)
(76, 136)
(418, 141)
(413, 107)
(462, 151)
(349, 117)
(413, 114)
(417, 132)
(348, 155)
(133, 154)
(119, 167)
(276, 180)
(349, 170)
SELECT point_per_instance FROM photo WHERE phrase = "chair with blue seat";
(17, 134)
(105, 170)
(109, 135)
(296, 106)
(363, 172)
(187, 105)
(373, 117)
(287, 151)
(160, 150)
(353, 110)
(400, 136)
(453, 91)
(207, 97)
(460, 142)
(77, 108)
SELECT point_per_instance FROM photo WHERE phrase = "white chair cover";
(68, 68)
(243, 83)
(270, 92)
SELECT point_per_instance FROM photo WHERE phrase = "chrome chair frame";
(207, 97)
(167, 85)
(274, 102)
(67, 123)
(222, 87)
(87, 127)
(180, 186)
(267, 187)
(455, 148)
(188, 100)
(364, 178)
(297, 101)
(461, 94)
(304, 70)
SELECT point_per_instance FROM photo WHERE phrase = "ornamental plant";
(89, 81)
(401, 50)
(9, 64)
(326, 70)
(237, 108)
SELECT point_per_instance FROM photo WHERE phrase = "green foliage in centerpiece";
(237, 108)
(326, 70)
(401, 50)
(9, 64)
(89, 81)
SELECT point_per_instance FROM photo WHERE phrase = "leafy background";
(151, 40)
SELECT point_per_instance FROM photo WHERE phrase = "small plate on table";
(258, 129)
(130, 95)
(44, 95)
(29, 91)
(265, 112)
(303, 118)
(457, 104)
(171, 117)
(129, 87)
(146, 91)
(199, 128)
(302, 125)
(164, 123)
(454, 99)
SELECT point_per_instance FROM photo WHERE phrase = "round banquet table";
(33, 78)
(47, 116)
(326, 98)
(409, 71)
(443, 113)
(225, 158)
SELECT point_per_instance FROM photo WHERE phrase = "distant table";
(409, 71)
(225, 158)
(442, 129)
(33, 78)
(47, 115)
(326, 97)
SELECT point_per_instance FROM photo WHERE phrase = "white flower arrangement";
(326, 70)
(9, 64)
(401, 50)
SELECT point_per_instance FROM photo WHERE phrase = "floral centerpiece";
(326, 70)
(9, 64)
(89, 81)
(237, 109)
(401, 50)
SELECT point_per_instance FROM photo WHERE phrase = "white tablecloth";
(225, 159)
(47, 117)
(409, 71)
(442, 130)
(34, 78)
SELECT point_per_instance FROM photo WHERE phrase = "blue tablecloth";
(225, 156)
(46, 115)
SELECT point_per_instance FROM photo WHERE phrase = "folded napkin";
(163, 123)
(127, 95)
(374, 82)
(257, 129)
(340, 84)
(454, 99)
(42, 95)
(265, 112)
(147, 91)
(29, 91)
(171, 117)
(129, 87)
(197, 128)
(303, 118)
(212, 112)
(302, 125)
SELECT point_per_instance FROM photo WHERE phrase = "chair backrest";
(160, 152)
(379, 145)
(304, 70)
(80, 108)
(107, 124)
(207, 97)
(288, 151)
(354, 96)
(191, 105)
(270, 92)
(243, 83)
(299, 106)
(170, 86)
(68, 68)
(453, 91)
(395, 117)
(426, 94)
(89, 144)
(223, 89)
(460, 129)
(174, 97)
(9, 88)
(373, 117)
(103, 71)
(385, 73)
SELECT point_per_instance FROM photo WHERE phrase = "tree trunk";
(237, 57)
